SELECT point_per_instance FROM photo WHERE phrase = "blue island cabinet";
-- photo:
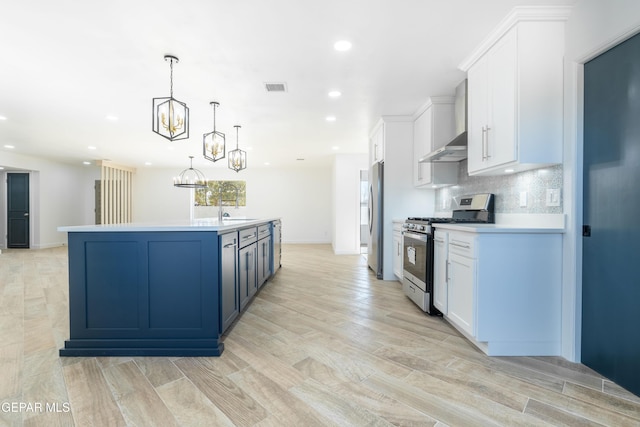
(144, 294)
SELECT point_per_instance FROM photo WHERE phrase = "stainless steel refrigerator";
(375, 248)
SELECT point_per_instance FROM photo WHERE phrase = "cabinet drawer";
(264, 231)
(462, 244)
(248, 236)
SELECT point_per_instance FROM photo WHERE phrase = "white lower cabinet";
(502, 286)
(440, 271)
(461, 289)
(397, 250)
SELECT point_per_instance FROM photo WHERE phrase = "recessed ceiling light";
(508, 170)
(334, 94)
(267, 163)
(148, 163)
(9, 146)
(111, 118)
(342, 45)
(3, 118)
(1, 167)
(86, 163)
(331, 118)
(91, 147)
(335, 147)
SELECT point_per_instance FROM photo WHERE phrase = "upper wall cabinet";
(376, 144)
(515, 94)
(433, 128)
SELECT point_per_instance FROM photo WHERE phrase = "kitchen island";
(162, 289)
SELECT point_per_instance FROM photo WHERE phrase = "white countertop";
(201, 224)
(498, 228)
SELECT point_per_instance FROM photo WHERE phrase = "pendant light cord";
(171, 77)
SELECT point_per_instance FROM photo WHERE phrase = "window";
(234, 193)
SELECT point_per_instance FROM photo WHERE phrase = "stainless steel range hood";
(455, 150)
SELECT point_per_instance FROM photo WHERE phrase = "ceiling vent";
(275, 87)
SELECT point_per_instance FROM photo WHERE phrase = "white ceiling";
(67, 65)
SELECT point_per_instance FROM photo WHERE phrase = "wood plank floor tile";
(474, 397)
(190, 406)
(430, 403)
(603, 400)
(138, 401)
(234, 402)
(90, 397)
(555, 416)
(382, 406)
(281, 404)
(12, 369)
(276, 370)
(339, 411)
(158, 370)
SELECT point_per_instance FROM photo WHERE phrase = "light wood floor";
(323, 343)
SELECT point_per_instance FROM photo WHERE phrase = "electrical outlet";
(553, 197)
(523, 199)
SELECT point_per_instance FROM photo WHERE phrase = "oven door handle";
(421, 237)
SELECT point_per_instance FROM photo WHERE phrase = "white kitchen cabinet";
(462, 282)
(433, 128)
(515, 98)
(440, 270)
(397, 249)
(503, 288)
(377, 144)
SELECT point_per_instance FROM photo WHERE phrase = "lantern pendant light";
(170, 116)
(190, 178)
(237, 157)
(213, 143)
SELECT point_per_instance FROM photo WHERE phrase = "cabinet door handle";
(460, 245)
(484, 142)
(230, 245)
(487, 152)
(446, 272)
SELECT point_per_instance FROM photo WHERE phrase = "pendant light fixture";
(190, 178)
(170, 116)
(237, 157)
(213, 143)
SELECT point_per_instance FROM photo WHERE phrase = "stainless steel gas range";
(417, 277)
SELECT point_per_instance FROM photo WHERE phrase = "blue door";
(611, 242)
(17, 210)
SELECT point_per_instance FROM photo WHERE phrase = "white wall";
(60, 194)
(346, 202)
(300, 196)
(594, 27)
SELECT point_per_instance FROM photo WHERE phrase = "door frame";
(4, 214)
(573, 170)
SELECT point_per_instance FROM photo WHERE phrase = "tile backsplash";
(507, 190)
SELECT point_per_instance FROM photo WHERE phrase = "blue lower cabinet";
(144, 294)
(229, 282)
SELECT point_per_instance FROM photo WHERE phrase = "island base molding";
(119, 348)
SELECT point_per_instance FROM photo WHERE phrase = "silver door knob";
(26, 214)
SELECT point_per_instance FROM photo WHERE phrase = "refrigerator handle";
(369, 207)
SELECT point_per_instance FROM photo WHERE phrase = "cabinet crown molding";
(431, 101)
(517, 15)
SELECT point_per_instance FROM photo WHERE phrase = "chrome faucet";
(221, 213)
